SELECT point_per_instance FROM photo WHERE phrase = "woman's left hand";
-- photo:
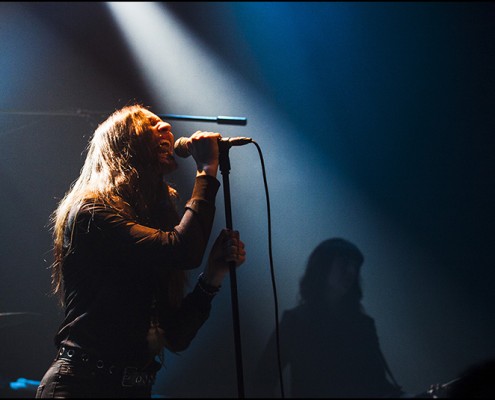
(228, 247)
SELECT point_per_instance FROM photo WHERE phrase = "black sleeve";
(181, 325)
(182, 247)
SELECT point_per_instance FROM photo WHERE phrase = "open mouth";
(165, 151)
(165, 147)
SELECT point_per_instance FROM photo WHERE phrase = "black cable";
(277, 334)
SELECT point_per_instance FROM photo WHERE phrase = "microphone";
(181, 150)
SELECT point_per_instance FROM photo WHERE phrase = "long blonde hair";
(120, 168)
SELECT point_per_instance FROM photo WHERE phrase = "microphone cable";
(272, 271)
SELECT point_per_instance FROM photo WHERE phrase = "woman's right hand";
(203, 146)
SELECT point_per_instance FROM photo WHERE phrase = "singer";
(121, 256)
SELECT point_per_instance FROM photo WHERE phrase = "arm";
(181, 326)
(182, 247)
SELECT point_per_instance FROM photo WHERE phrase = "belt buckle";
(128, 375)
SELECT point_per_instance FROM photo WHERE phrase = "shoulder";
(366, 325)
(93, 211)
(364, 320)
(115, 206)
(88, 209)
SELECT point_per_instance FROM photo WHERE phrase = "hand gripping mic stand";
(224, 164)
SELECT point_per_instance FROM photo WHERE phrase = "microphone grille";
(180, 147)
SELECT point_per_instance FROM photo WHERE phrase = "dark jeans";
(67, 380)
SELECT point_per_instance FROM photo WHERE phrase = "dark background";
(376, 124)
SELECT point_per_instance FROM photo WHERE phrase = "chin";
(168, 167)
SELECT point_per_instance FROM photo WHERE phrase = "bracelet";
(205, 288)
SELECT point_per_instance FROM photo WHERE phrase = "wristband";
(210, 290)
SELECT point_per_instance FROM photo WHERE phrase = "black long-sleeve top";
(111, 272)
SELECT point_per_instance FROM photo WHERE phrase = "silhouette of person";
(327, 341)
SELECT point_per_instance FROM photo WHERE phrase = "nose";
(164, 129)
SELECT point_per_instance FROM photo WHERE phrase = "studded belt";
(128, 376)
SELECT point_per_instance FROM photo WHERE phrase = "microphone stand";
(224, 164)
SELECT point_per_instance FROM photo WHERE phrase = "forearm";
(182, 325)
(195, 227)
